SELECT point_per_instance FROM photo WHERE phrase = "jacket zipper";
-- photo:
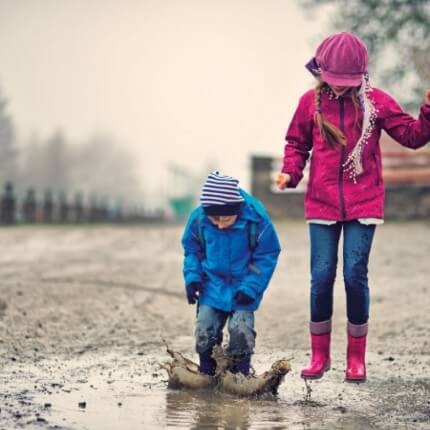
(342, 160)
(229, 277)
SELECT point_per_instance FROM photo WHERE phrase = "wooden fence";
(58, 208)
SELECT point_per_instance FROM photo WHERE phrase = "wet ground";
(84, 311)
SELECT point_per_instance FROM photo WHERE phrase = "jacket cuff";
(425, 110)
(192, 277)
(293, 182)
(248, 291)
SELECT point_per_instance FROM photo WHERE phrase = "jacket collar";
(247, 214)
(332, 96)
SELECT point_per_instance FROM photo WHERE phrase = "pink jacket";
(331, 193)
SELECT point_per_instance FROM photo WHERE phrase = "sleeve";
(299, 141)
(402, 127)
(193, 252)
(264, 260)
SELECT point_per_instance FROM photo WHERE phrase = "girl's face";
(338, 90)
(223, 221)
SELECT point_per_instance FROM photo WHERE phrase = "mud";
(185, 374)
(84, 311)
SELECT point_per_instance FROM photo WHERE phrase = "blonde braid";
(356, 107)
(331, 135)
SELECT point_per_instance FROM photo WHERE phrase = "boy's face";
(223, 221)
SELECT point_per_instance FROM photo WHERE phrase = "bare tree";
(57, 156)
(46, 164)
(102, 166)
(99, 167)
(397, 33)
(8, 148)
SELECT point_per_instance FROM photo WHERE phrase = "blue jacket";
(226, 264)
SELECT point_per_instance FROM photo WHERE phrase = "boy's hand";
(427, 97)
(283, 180)
(193, 291)
(243, 299)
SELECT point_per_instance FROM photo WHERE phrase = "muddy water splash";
(308, 390)
(184, 373)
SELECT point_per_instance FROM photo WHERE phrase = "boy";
(231, 250)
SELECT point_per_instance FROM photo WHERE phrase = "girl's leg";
(242, 340)
(324, 245)
(209, 326)
(356, 249)
(357, 244)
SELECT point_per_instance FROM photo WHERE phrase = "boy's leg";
(324, 247)
(209, 325)
(242, 340)
(357, 245)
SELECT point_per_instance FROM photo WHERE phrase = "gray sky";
(180, 80)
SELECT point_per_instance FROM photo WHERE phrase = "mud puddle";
(112, 392)
(127, 406)
(129, 391)
(101, 405)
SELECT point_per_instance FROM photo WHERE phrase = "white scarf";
(353, 164)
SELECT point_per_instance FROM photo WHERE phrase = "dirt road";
(84, 311)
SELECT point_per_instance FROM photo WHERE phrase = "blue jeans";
(357, 242)
(209, 327)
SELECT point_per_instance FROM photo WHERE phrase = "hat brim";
(223, 210)
(345, 80)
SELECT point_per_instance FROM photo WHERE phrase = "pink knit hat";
(342, 59)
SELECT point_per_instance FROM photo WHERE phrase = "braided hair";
(356, 103)
(331, 135)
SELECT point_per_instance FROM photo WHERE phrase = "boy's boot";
(320, 346)
(207, 363)
(242, 365)
(356, 353)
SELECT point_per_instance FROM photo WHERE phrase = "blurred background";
(114, 111)
(117, 110)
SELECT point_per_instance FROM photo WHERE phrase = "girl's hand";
(283, 180)
(427, 97)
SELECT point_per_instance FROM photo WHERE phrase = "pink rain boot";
(320, 345)
(356, 352)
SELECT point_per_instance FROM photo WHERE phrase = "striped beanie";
(220, 195)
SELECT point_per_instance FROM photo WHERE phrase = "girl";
(341, 122)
